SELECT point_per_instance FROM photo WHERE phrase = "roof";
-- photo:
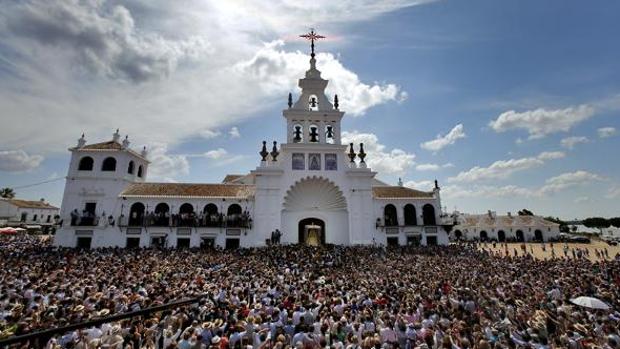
(398, 192)
(31, 204)
(231, 178)
(486, 220)
(188, 190)
(108, 146)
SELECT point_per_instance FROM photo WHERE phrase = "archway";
(484, 236)
(136, 214)
(520, 237)
(538, 235)
(410, 215)
(318, 198)
(458, 234)
(501, 236)
(109, 164)
(162, 214)
(428, 214)
(86, 164)
(390, 216)
(308, 233)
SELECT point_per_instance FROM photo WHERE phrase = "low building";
(491, 227)
(582, 229)
(32, 215)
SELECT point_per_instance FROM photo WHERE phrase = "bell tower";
(313, 118)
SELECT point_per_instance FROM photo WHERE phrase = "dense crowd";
(456, 296)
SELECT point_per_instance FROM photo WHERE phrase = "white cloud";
(567, 180)
(502, 169)
(570, 142)
(613, 192)
(209, 134)
(432, 167)
(395, 161)
(541, 122)
(216, 154)
(441, 142)
(605, 132)
(234, 132)
(165, 166)
(18, 161)
(421, 185)
(277, 71)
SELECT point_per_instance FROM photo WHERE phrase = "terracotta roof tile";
(110, 145)
(31, 204)
(231, 178)
(399, 192)
(188, 190)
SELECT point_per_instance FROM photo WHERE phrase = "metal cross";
(312, 36)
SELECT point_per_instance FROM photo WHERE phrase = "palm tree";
(7, 193)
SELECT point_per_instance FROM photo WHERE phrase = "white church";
(310, 190)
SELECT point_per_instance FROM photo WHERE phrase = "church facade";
(311, 189)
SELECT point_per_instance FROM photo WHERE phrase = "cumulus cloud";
(551, 186)
(605, 132)
(502, 169)
(234, 132)
(571, 142)
(18, 161)
(395, 161)
(216, 154)
(103, 39)
(420, 185)
(432, 167)
(441, 142)
(541, 122)
(209, 134)
(165, 166)
(277, 71)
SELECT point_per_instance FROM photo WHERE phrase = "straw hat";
(218, 323)
(104, 312)
(78, 308)
(207, 325)
(215, 340)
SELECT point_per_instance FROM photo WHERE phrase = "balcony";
(187, 221)
(84, 221)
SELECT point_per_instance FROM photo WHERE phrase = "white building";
(312, 189)
(490, 226)
(34, 215)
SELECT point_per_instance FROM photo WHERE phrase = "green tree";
(7, 193)
(596, 222)
(525, 212)
(615, 222)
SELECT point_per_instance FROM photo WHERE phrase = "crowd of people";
(456, 296)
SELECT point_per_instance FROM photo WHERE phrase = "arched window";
(501, 236)
(86, 164)
(162, 214)
(140, 171)
(329, 134)
(109, 164)
(410, 216)
(538, 235)
(314, 134)
(313, 103)
(484, 236)
(390, 217)
(298, 133)
(428, 214)
(520, 236)
(136, 214)
(233, 210)
(211, 209)
(130, 168)
(186, 208)
(458, 234)
(212, 217)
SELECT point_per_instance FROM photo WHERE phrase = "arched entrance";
(458, 234)
(311, 231)
(520, 237)
(501, 236)
(538, 235)
(314, 200)
(484, 236)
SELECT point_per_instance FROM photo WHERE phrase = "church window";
(314, 162)
(428, 214)
(299, 161)
(313, 134)
(331, 162)
(109, 164)
(410, 215)
(313, 103)
(130, 167)
(390, 217)
(140, 171)
(329, 134)
(86, 164)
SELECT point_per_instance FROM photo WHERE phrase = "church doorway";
(311, 231)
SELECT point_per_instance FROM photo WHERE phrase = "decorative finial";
(290, 100)
(336, 102)
(126, 142)
(274, 151)
(362, 154)
(436, 184)
(81, 141)
(351, 153)
(144, 152)
(312, 36)
(263, 153)
(400, 182)
(116, 136)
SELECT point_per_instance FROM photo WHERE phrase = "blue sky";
(509, 104)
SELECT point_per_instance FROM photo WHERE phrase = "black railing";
(84, 221)
(38, 339)
(232, 221)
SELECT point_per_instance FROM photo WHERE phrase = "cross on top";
(312, 36)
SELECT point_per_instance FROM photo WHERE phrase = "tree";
(615, 222)
(596, 222)
(525, 212)
(7, 193)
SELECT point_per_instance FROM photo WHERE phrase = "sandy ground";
(537, 251)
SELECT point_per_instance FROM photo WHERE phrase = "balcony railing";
(233, 221)
(84, 221)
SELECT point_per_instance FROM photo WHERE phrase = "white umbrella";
(590, 302)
